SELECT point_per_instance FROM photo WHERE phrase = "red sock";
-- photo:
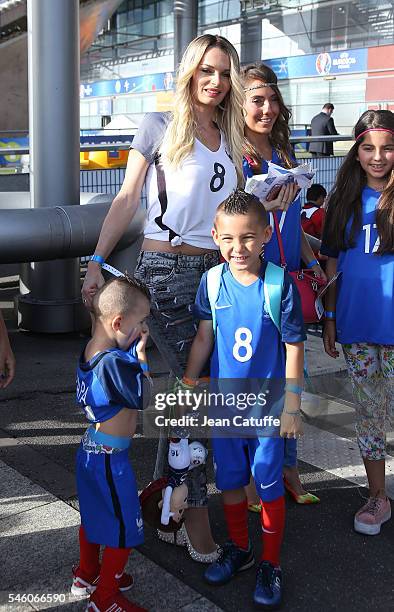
(89, 557)
(236, 516)
(273, 524)
(112, 566)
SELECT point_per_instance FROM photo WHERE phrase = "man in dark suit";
(323, 125)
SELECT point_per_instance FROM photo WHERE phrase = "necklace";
(380, 188)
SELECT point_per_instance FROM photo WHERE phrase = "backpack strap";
(273, 289)
(214, 276)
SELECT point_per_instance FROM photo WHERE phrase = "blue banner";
(322, 64)
(94, 138)
(138, 84)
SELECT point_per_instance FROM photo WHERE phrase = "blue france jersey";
(110, 381)
(291, 230)
(365, 289)
(248, 345)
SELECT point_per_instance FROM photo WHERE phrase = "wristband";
(312, 263)
(98, 259)
(293, 388)
(190, 382)
(293, 413)
(144, 366)
(330, 314)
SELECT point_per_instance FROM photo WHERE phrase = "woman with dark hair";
(358, 239)
(267, 135)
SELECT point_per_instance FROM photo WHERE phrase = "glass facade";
(333, 51)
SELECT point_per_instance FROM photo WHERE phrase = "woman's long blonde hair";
(179, 138)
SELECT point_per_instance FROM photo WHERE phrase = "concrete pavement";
(325, 563)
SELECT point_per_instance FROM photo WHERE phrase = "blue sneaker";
(231, 561)
(268, 591)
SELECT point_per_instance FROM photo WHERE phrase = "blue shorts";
(236, 458)
(107, 492)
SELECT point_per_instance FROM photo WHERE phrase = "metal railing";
(110, 180)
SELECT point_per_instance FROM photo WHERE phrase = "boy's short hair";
(315, 191)
(119, 296)
(239, 202)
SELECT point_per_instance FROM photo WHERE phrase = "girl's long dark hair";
(280, 133)
(344, 202)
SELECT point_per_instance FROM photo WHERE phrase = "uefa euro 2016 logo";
(323, 63)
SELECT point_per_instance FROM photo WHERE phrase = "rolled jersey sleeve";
(150, 134)
(202, 307)
(292, 321)
(121, 381)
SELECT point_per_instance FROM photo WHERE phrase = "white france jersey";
(248, 345)
(194, 190)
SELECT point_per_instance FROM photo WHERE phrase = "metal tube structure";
(59, 232)
(50, 291)
(185, 26)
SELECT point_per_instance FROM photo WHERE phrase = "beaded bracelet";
(190, 382)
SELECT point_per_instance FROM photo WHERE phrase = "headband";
(375, 130)
(260, 86)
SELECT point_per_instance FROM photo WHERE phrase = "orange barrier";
(91, 160)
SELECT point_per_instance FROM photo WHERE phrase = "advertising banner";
(146, 83)
(322, 64)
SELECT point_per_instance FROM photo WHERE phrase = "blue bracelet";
(330, 314)
(293, 388)
(144, 366)
(100, 260)
(312, 263)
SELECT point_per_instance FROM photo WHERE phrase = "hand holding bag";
(308, 283)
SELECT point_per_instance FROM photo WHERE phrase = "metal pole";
(50, 291)
(185, 26)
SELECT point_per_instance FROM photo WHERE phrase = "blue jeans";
(173, 281)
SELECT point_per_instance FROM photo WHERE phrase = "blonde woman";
(190, 161)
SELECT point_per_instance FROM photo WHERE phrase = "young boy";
(109, 390)
(247, 345)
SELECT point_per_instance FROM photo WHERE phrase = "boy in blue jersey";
(247, 345)
(109, 390)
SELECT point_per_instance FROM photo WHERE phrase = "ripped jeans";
(173, 281)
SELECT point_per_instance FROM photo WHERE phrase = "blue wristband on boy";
(293, 388)
(144, 366)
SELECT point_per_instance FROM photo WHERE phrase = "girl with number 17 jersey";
(359, 241)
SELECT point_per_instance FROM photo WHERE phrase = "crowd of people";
(227, 124)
